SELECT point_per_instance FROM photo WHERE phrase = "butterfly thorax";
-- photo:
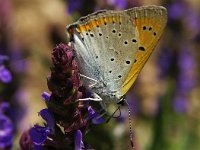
(108, 95)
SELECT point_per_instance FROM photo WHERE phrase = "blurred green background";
(164, 101)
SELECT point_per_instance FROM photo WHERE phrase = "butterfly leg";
(91, 79)
(103, 109)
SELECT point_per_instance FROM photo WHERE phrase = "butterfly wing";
(113, 46)
(150, 23)
(105, 44)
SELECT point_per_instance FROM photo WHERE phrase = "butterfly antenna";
(130, 125)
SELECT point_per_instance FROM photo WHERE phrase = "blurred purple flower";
(5, 75)
(119, 4)
(133, 102)
(176, 10)
(180, 104)
(165, 61)
(186, 61)
(192, 20)
(185, 82)
(46, 96)
(6, 131)
(187, 65)
(74, 5)
(38, 147)
(3, 58)
(83, 7)
(19, 64)
(4, 106)
(78, 140)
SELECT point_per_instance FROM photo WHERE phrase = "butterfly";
(112, 47)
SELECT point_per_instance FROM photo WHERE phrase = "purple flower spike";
(5, 75)
(6, 131)
(46, 96)
(78, 140)
(38, 134)
(48, 117)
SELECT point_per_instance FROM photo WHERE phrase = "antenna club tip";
(132, 143)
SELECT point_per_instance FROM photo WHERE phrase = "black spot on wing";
(141, 48)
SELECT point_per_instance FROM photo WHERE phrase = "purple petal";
(5, 75)
(46, 96)
(91, 114)
(78, 140)
(6, 131)
(48, 117)
(90, 110)
(98, 120)
(38, 134)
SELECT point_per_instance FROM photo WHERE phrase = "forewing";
(150, 22)
(106, 44)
